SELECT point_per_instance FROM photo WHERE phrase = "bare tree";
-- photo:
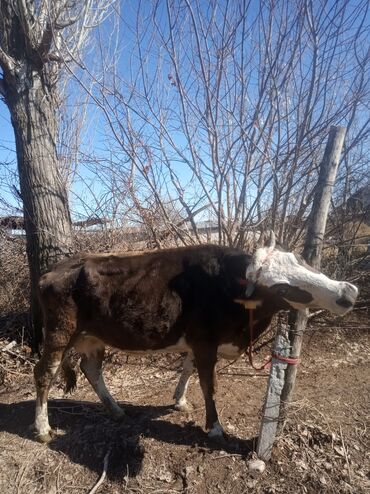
(37, 39)
(225, 108)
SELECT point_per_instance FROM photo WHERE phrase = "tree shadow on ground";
(85, 433)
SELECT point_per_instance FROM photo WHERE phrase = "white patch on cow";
(180, 347)
(182, 386)
(217, 431)
(89, 345)
(54, 368)
(229, 351)
(283, 267)
(107, 399)
(41, 425)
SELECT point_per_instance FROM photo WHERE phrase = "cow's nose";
(348, 296)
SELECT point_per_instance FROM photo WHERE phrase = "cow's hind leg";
(45, 371)
(182, 386)
(91, 366)
(205, 362)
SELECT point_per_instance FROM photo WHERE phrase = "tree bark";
(313, 245)
(324, 189)
(28, 91)
(28, 87)
(45, 204)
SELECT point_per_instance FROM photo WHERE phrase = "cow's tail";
(69, 374)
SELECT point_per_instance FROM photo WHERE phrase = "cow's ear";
(271, 241)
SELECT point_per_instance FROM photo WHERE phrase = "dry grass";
(323, 446)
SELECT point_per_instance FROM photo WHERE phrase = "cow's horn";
(261, 240)
(271, 243)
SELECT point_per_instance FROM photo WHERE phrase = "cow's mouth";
(348, 296)
(345, 302)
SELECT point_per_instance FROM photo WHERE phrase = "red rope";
(287, 360)
(250, 347)
(281, 358)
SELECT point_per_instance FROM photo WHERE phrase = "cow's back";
(136, 301)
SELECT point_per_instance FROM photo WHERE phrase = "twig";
(227, 455)
(227, 365)
(18, 355)
(104, 473)
(15, 373)
(9, 346)
(316, 313)
(345, 454)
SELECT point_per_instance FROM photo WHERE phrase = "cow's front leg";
(206, 362)
(182, 386)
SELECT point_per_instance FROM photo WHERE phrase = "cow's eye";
(282, 290)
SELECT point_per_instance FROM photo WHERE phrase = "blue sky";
(7, 154)
(96, 137)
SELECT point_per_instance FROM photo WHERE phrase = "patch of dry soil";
(323, 447)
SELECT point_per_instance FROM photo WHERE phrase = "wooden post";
(282, 376)
(271, 410)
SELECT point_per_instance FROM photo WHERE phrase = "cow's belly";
(180, 346)
(88, 344)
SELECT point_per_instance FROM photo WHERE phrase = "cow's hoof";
(183, 407)
(44, 438)
(217, 432)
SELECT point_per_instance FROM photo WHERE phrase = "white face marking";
(283, 267)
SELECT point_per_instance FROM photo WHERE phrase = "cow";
(188, 299)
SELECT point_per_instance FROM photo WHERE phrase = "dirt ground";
(324, 446)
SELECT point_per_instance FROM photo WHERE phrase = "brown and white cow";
(176, 300)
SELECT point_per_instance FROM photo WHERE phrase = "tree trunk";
(45, 203)
(314, 244)
(324, 189)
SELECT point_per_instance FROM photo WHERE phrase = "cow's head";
(288, 277)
